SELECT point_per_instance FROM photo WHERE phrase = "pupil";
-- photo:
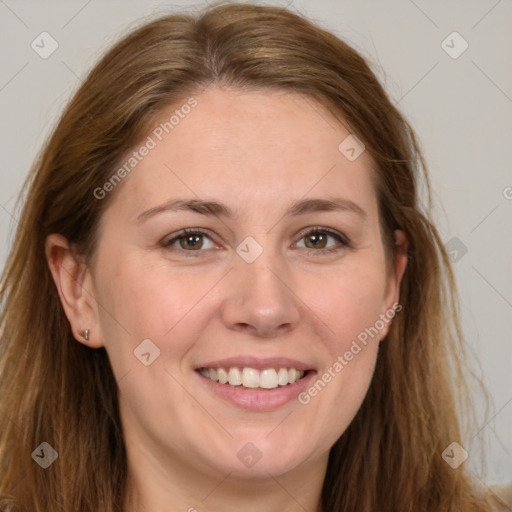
(315, 237)
(189, 241)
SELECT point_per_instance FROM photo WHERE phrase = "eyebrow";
(217, 209)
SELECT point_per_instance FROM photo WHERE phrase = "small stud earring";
(85, 335)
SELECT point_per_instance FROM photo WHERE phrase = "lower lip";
(258, 399)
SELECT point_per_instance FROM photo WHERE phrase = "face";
(278, 278)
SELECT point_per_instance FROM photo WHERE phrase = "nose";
(260, 299)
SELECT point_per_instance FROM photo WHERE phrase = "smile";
(256, 384)
(251, 378)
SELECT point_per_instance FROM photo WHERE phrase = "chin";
(251, 457)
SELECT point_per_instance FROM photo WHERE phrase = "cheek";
(142, 301)
(351, 308)
(351, 305)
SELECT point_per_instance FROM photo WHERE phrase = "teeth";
(292, 375)
(234, 377)
(222, 375)
(282, 376)
(250, 378)
(270, 378)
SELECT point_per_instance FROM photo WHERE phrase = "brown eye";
(316, 240)
(188, 240)
(191, 241)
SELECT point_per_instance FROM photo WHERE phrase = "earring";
(85, 335)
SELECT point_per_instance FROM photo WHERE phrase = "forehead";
(248, 149)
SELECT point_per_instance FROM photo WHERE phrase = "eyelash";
(342, 239)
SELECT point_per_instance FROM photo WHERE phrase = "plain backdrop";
(455, 89)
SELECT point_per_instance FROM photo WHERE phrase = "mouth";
(256, 384)
(251, 378)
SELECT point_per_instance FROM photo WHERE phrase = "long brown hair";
(55, 390)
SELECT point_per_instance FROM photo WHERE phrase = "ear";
(395, 278)
(74, 285)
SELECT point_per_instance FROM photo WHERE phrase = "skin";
(256, 152)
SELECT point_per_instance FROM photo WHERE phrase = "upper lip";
(256, 363)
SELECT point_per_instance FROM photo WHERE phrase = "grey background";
(460, 107)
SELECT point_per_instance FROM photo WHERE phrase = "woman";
(224, 293)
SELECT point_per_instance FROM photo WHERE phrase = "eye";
(317, 240)
(189, 240)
